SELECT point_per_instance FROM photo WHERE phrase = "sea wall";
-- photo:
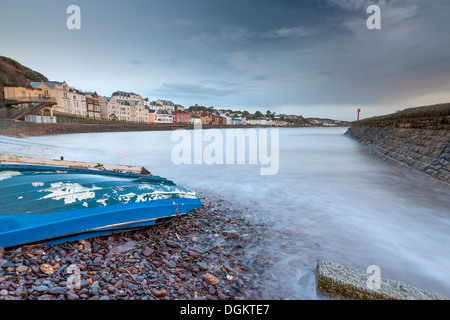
(14, 128)
(416, 138)
(342, 282)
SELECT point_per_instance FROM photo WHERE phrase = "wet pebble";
(193, 257)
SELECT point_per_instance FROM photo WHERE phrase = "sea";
(340, 203)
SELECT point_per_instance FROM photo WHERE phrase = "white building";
(123, 95)
(167, 106)
(139, 113)
(76, 105)
(160, 117)
(152, 105)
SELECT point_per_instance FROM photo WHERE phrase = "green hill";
(14, 74)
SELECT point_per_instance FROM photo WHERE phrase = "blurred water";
(338, 202)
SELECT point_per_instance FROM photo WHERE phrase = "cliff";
(14, 74)
(417, 138)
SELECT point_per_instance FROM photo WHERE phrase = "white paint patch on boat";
(125, 198)
(85, 204)
(69, 192)
(156, 195)
(102, 201)
(37, 184)
(162, 189)
(8, 174)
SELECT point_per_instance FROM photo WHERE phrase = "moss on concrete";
(346, 283)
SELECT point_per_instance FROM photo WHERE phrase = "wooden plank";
(21, 160)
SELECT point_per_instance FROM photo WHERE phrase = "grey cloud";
(351, 5)
(191, 90)
(136, 62)
(298, 31)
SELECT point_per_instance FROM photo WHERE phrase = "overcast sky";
(316, 58)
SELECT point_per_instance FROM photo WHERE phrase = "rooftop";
(51, 84)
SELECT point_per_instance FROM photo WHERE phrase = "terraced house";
(140, 112)
(77, 105)
(123, 95)
(123, 111)
(109, 108)
(131, 107)
(59, 91)
(160, 117)
(93, 105)
(167, 106)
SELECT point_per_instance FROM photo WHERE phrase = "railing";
(29, 99)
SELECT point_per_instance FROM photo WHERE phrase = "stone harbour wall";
(419, 143)
(14, 128)
(346, 283)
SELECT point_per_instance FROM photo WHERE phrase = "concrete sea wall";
(342, 282)
(12, 128)
(419, 140)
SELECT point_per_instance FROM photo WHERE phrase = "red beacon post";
(359, 110)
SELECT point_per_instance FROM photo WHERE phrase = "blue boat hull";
(48, 205)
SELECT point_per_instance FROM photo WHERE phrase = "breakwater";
(417, 138)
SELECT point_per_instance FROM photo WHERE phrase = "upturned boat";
(46, 201)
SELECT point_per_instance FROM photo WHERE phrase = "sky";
(315, 58)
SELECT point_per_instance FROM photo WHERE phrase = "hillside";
(15, 74)
(417, 116)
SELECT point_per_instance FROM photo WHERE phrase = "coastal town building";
(179, 108)
(23, 94)
(195, 119)
(123, 95)
(181, 118)
(104, 112)
(165, 105)
(160, 117)
(93, 105)
(123, 112)
(219, 120)
(60, 92)
(239, 121)
(113, 109)
(131, 107)
(139, 113)
(76, 104)
(206, 118)
(151, 105)
(260, 122)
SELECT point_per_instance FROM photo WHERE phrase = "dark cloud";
(136, 62)
(193, 90)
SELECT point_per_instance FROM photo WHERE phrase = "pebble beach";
(216, 252)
